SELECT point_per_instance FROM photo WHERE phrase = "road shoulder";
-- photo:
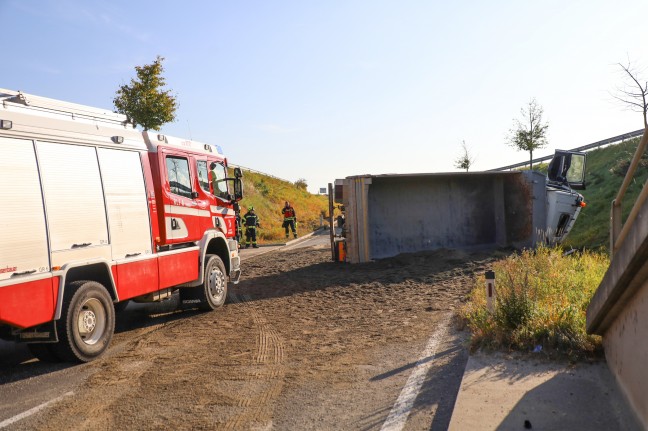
(504, 393)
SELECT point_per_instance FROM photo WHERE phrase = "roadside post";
(330, 217)
(490, 290)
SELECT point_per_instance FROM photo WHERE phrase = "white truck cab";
(566, 173)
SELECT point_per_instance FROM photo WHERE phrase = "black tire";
(213, 292)
(44, 352)
(87, 322)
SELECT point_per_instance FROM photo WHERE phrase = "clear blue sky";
(324, 90)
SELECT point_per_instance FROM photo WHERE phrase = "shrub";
(301, 184)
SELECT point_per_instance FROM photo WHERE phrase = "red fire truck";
(94, 213)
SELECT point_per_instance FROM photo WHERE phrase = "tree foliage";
(465, 160)
(529, 133)
(143, 101)
(301, 184)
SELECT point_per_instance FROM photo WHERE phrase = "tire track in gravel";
(269, 368)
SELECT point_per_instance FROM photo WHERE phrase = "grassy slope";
(592, 227)
(268, 195)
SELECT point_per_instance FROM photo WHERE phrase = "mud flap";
(44, 333)
(190, 297)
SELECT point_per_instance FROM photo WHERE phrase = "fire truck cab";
(94, 213)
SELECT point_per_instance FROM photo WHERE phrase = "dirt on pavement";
(303, 343)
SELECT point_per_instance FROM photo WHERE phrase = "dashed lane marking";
(403, 406)
(32, 411)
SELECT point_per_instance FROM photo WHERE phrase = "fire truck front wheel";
(214, 288)
(87, 322)
(212, 293)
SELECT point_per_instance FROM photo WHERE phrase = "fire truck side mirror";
(238, 173)
(238, 189)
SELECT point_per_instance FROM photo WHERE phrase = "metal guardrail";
(598, 144)
(618, 229)
(232, 165)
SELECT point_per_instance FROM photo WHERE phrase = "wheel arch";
(99, 271)
(218, 246)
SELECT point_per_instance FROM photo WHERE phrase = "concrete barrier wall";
(619, 312)
(626, 351)
(391, 214)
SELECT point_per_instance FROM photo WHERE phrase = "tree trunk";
(530, 160)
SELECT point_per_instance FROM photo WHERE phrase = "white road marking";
(32, 411)
(401, 410)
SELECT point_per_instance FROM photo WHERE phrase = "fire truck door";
(182, 213)
(128, 215)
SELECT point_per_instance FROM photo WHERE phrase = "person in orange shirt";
(290, 219)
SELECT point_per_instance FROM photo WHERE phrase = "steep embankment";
(605, 170)
(268, 194)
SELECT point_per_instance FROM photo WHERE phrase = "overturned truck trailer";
(386, 215)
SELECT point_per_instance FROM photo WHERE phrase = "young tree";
(143, 101)
(530, 133)
(634, 93)
(465, 160)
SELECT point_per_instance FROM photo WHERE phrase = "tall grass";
(541, 300)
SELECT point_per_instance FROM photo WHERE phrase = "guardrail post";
(615, 225)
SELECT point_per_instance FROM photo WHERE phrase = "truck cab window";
(203, 175)
(217, 175)
(178, 174)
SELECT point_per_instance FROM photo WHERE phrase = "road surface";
(303, 343)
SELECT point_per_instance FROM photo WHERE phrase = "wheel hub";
(216, 283)
(89, 320)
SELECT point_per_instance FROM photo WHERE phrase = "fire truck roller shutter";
(23, 237)
(74, 202)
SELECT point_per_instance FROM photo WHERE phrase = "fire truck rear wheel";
(87, 322)
(214, 288)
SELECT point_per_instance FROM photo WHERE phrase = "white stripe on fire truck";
(221, 210)
(175, 209)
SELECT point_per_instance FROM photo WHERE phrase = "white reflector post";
(490, 290)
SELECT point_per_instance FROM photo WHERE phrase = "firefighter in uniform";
(251, 222)
(290, 219)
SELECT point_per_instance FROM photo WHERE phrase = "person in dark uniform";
(251, 221)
